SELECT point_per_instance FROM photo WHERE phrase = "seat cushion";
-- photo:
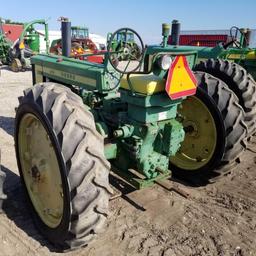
(147, 84)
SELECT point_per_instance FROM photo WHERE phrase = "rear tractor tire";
(62, 166)
(239, 81)
(2, 179)
(215, 131)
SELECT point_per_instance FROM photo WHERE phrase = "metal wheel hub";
(191, 128)
(201, 135)
(40, 170)
(126, 51)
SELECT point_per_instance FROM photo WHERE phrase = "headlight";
(164, 62)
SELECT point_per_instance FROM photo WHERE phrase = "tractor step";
(172, 186)
(139, 181)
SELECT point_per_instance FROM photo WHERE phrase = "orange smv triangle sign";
(181, 81)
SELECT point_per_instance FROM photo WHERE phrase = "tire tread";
(83, 150)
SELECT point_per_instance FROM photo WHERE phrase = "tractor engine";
(140, 126)
(148, 133)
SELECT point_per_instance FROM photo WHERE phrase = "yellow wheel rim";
(15, 65)
(40, 170)
(201, 135)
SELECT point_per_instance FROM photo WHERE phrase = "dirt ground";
(217, 219)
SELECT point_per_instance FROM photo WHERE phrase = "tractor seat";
(147, 84)
(251, 55)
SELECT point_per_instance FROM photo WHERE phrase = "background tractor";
(124, 41)
(17, 54)
(80, 35)
(233, 63)
(82, 47)
(236, 50)
(27, 45)
(146, 116)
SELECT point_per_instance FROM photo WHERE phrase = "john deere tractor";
(145, 117)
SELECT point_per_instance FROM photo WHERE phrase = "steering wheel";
(125, 50)
(234, 34)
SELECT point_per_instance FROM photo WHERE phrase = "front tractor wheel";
(215, 130)
(61, 161)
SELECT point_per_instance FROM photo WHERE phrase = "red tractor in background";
(81, 45)
(80, 35)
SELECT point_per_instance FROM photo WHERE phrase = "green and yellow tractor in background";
(125, 40)
(237, 50)
(235, 64)
(147, 117)
(17, 54)
(27, 45)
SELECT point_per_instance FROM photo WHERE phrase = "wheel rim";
(40, 170)
(15, 66)
(201, 135)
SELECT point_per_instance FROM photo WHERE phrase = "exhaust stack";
(175, 33)
(66, 36)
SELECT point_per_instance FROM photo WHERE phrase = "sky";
(144, 16)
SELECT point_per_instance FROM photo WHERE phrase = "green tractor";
(125, 41)
(235, 64)
(145, 118)
(237, 50)
(27, 45)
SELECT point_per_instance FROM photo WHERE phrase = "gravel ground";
(218, 219)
